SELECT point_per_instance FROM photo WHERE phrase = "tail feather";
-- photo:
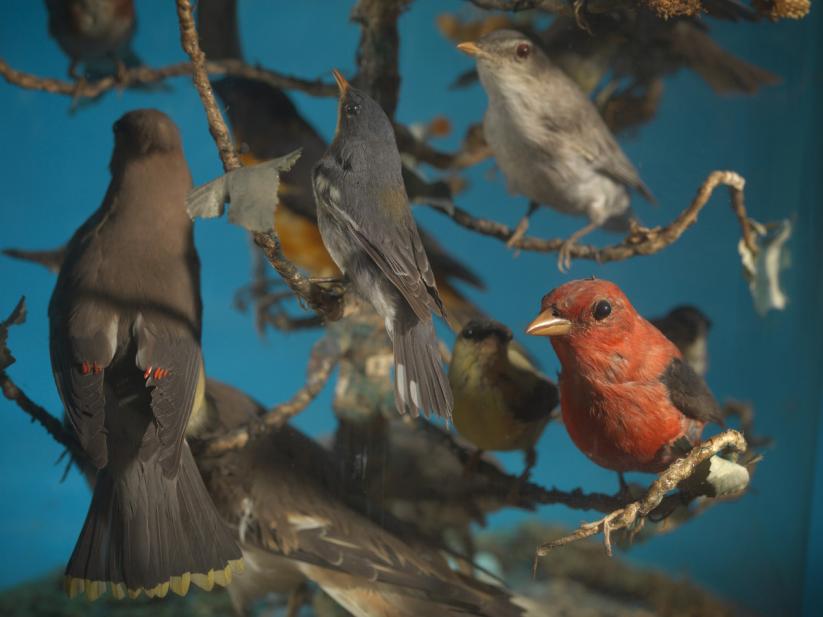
(148, 533)
(419, 381)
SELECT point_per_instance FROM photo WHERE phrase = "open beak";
(470, 48)
(342, 84)
(546, 324)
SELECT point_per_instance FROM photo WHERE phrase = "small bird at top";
(629, 401)
(501, 402)
(687, 327)
(366, 224)
(94, 33)
(549, 140)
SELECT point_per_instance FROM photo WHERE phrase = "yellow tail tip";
(180, 585)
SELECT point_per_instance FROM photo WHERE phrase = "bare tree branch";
(13, 393)
(323, 300)
(377, 52)
(639, 241)
(51, 260)
(143, 75)
(637, 511)
(323, 359)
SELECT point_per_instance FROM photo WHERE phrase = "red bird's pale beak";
(342, 84)
(547, 324)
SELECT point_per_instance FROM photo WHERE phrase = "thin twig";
(377, 53)
(639, 241)
(325, 301)
(52, 425)
(323, 359)
(637, 511)
(144, 75)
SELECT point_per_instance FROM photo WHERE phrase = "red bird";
(629, 401)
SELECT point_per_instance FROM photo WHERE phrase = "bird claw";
(627, 516)
(564, 256)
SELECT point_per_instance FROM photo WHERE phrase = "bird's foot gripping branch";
(633, 515)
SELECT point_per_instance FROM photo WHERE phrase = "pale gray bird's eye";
(523, 50)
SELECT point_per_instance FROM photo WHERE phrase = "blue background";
(763, 551)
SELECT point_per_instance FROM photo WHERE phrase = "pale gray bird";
(364, 218)
(125, 320)
(549, 140)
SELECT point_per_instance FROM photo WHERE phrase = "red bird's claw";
(96, 368)
(160, 373)
(147, 373)
(85, 368)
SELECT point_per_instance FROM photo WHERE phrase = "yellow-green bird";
(501, 402)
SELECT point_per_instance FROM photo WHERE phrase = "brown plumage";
(297, 522)
(125, 320)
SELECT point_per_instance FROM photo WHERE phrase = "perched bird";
(365, 221)
(629, 401)
(549, 140)
(501, 402)
(687, 327)
(96, 34)
(296, 523)
(125, 321)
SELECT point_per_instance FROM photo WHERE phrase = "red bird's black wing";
(690, 394)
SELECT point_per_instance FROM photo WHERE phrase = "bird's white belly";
(563, 180)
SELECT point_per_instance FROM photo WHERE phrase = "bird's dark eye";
(523, 50)
(468, 333)
(351, 109)
(602, 310)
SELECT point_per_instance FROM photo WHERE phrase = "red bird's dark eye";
(602, 310)
(523, 50)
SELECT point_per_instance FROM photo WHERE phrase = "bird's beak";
(546, 324)
(342, 84)
(470, 48)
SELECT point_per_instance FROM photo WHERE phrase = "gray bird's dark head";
(360, 117)
(506, 55)
(142, 132)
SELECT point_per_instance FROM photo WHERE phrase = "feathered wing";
(371, 215)
(690, 394)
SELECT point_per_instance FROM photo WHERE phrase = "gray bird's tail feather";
(147, 532)
(419, 380)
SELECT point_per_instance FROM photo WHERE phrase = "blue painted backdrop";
(759, 551)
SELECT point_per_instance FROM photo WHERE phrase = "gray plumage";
(548, 138)
(125, 320)
(364, 219)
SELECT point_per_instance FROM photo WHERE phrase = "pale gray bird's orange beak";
(342, 84)
(471, 49)
(547, 324)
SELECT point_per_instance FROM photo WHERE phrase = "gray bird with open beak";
(364, 219)
(549, 140)
(125, 320)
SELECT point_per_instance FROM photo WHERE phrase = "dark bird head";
(143, 132)
(360, 117)
(484, 335)
(691, 319)
(506, 59)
